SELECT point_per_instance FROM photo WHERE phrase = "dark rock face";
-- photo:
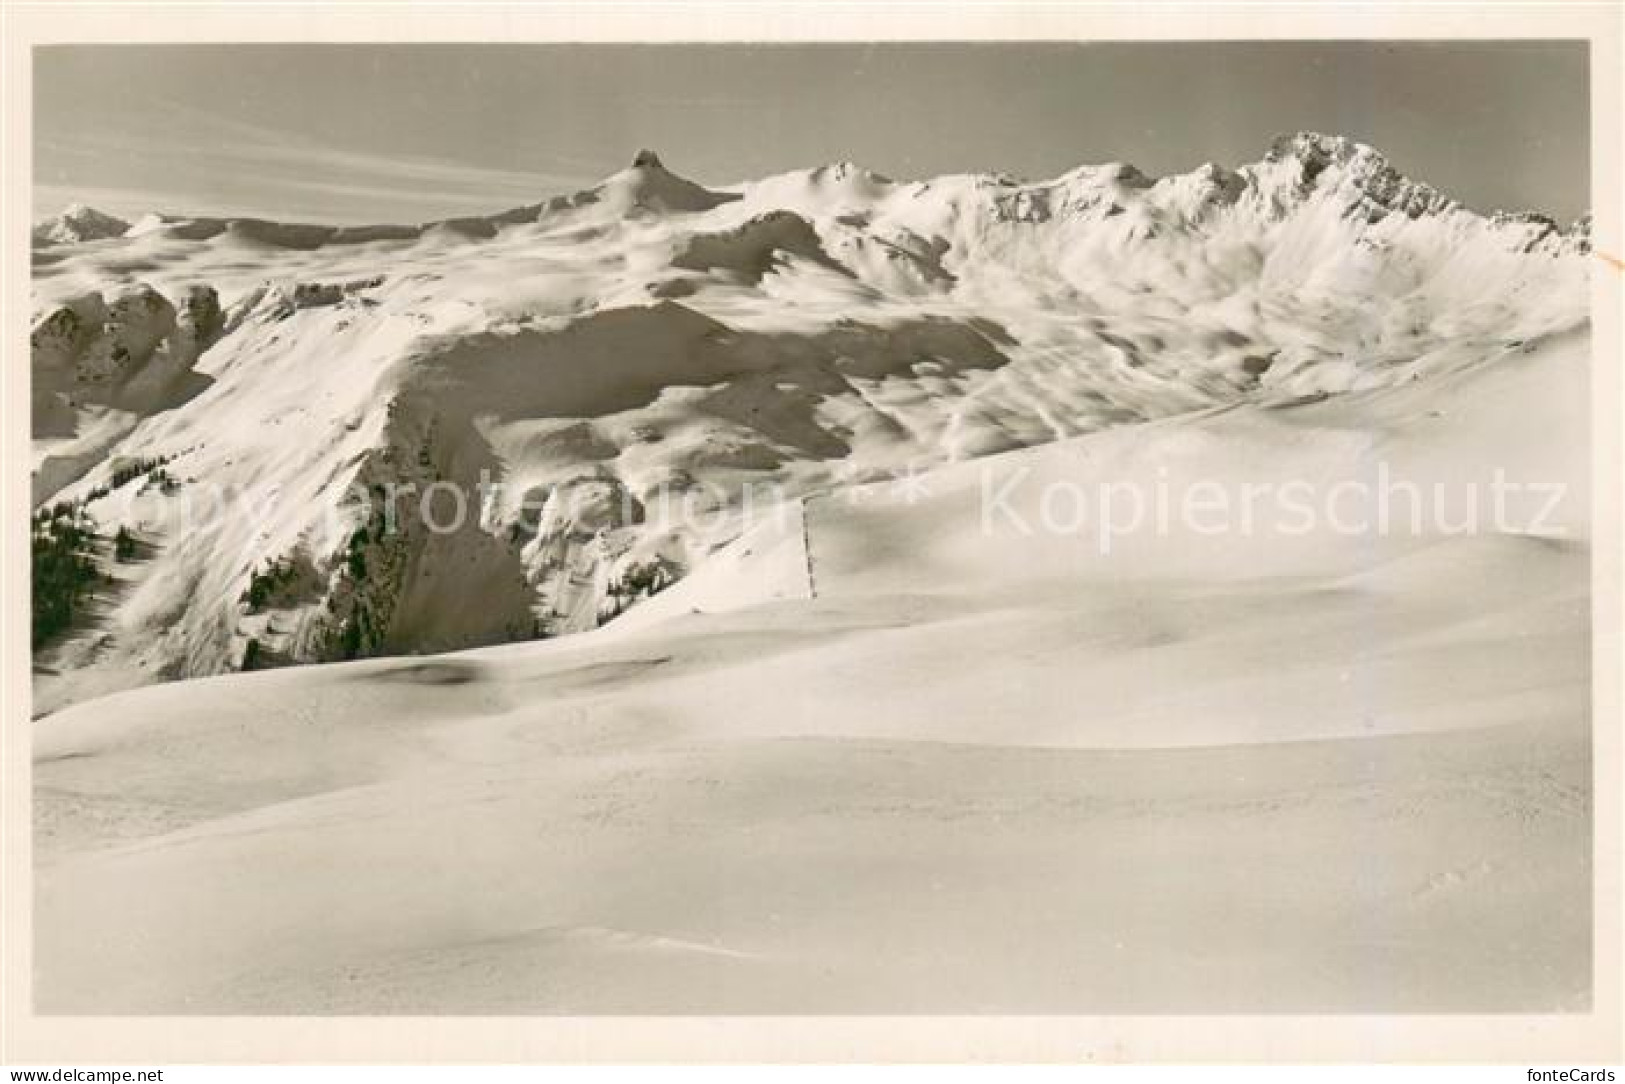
(647, 159)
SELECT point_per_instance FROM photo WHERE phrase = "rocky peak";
(1315, 162)
(648, 186)
(78, 222)
(1318, 150)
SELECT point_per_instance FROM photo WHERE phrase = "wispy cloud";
(187, 155)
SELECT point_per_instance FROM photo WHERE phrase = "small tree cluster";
(135, 468)
(355, 637)
(123, 545)
(359, 632)
(129, 471)
(636, 582)
(355, 559)
(161, 480)
(63, 569)
(265, 584)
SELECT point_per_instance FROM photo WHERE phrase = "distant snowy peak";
(1540, 232)
(78, 222)
(1301, 173)
(1301, 164)
(647, 185)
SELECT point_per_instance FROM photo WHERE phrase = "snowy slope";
(649, 345)
(879, 758)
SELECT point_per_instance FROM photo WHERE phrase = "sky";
(410, 133)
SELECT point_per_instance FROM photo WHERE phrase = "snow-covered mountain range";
(605, 354)
(853, 737)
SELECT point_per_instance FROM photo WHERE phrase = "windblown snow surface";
(876, 750)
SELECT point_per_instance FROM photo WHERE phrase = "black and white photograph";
(781, 528)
